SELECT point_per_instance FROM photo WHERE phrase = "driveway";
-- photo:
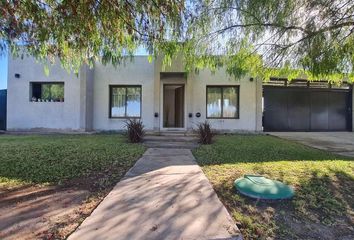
(337, 142)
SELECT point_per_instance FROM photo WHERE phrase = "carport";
(301, 105)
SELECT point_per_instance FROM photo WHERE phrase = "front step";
(171, 141)
(175, 145)
(171, 133)
(171, 138)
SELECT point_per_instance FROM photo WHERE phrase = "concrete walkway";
(337, 142)
(164, 196)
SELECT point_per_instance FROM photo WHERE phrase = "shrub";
(205, 132)
(135, 130)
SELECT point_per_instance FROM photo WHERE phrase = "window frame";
(222, 98)
(46, 82)
(126, 91)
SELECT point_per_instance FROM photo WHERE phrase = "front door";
(173, 105)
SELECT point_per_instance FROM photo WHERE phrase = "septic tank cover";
(260, 187)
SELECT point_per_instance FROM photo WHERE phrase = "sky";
(3, 72)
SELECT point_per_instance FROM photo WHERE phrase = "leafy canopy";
(83, 31)
(287, 38)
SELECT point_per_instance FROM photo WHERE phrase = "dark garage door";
(306, 109)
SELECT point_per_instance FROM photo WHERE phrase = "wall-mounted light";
(17, 75)
(251, 79)
(156, 114)
(190, 115)
(198, 114)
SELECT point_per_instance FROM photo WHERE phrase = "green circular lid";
(259, 187)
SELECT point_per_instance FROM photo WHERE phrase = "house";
(102, 98)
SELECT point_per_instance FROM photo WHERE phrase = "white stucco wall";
(86, 105)
(138, 72)
(250, 99)
(259, 104)
(23, 114)
(247, 120)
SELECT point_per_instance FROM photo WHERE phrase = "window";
(222, 102)
(47, 92)
(125, 101)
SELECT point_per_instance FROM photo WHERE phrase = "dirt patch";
(301, 229)
(279, 219)
(43, 212)
(53, 212)
(50, 183)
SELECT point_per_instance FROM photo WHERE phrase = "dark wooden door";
(179, 107)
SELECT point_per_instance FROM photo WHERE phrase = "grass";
(74, 171)
(323, 206)
(54, 159)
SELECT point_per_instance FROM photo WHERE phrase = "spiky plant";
(205, 133)
(135, 130)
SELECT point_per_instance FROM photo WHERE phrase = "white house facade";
(167, 99)
(104, 97)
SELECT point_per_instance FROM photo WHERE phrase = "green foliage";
(56, 158)
(282, 38)
(302, 39)
(265, 39)
(52, 91)
(323, 186)
(80, 32)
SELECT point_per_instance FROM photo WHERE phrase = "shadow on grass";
(46, 180)
(57, 158)
(258, 148)
(321, 208)
(324, 182)
(31, 212)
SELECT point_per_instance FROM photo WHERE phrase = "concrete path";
(336, 142)
(164, 196)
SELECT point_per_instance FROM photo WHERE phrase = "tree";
(262, 38)
(282, 37)
(87, 30)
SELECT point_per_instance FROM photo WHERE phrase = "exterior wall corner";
(259, 104)
(86, 76)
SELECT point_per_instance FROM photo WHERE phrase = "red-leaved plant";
(135, 130)
(205, 133)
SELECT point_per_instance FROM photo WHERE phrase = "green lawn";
(54, 159)
(323, 207)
